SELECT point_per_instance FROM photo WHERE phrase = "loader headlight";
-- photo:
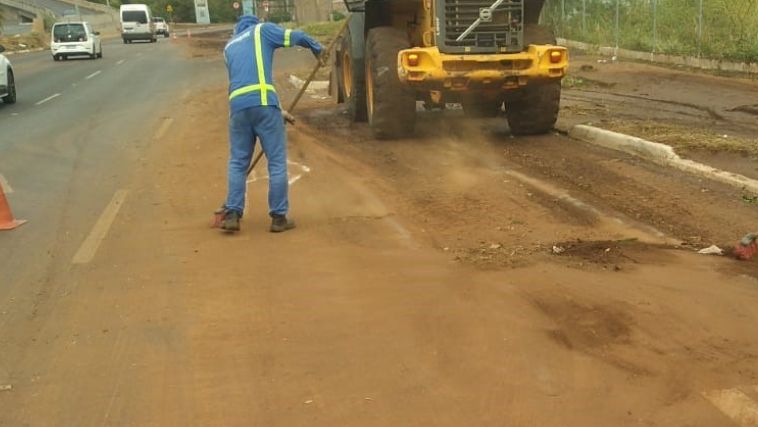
(556, 56)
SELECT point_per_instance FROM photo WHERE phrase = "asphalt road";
(72, 138)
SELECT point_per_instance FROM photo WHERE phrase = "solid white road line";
(7, 189)
(736, 405)
(164, 128)
(93, 75)
(89, 247)
(120, 61)
(48, 99)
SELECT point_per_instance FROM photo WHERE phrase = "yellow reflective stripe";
(261, 69)
(247, 89)
(287, 38)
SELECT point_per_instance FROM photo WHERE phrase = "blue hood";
(244, 23)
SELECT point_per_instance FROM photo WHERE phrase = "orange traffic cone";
(7, 222)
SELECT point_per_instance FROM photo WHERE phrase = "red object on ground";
(747, 247)
(7, 222)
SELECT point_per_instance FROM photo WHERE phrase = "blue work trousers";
(266, 125)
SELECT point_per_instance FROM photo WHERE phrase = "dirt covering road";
(461, 277)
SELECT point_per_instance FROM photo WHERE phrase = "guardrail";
(92, 6)
(26, 6)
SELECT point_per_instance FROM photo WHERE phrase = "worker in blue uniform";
(255, 113)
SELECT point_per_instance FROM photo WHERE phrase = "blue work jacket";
(249, 57)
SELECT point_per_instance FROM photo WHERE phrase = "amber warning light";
(413, 60)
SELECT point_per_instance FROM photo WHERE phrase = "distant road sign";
(236, 5)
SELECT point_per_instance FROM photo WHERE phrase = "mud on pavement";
(458, 277)
(423, 272)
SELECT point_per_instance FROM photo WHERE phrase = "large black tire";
(482, 108)
(10, 98)
(352, 76)
(534, 109)
(336, 90)
(391, 105)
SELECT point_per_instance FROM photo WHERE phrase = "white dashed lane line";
(89, 247)
(120, 61)
(51, 97)
(93, 75)
(163, 128)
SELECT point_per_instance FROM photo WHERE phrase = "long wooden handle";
(300, 93)
(333, 43)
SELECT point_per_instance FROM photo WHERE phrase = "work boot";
(280, 223)
(231, 221)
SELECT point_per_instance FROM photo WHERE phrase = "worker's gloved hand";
(288, 118)
(321, 54)
(323, 59)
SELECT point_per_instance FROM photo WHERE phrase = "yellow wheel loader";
(482, 54)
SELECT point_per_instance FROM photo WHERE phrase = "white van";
(137, 23)
(75, 38)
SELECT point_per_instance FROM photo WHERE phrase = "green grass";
(730, 27)
(324, 32)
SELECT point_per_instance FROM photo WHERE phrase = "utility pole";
(655, 24)
(700, 30)
(618, 29)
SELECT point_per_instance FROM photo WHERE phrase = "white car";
(7, 80)
(137, 23)
(75, 39)
(161, 26)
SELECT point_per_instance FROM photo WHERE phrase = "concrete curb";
(660, 154)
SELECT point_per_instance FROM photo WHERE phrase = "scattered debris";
(747, 247)
(558, 250)
(315, 86)
(750, 199)
(711, 250)
(308, 402)
(6, 387)
(495, 246)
